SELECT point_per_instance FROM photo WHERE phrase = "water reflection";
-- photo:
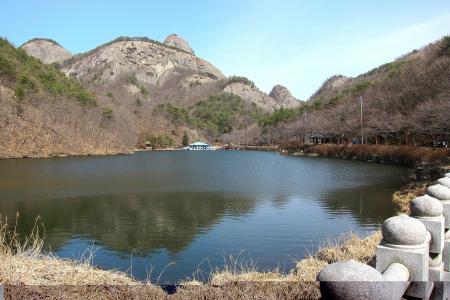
(184, 207)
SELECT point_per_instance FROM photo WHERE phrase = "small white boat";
(199, 146)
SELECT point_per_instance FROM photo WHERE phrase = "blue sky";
(295, 43)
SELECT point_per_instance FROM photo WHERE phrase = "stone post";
(442, 193)
(428, 210)
(353, 280)
(406, 241)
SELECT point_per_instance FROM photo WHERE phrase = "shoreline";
(224, 281)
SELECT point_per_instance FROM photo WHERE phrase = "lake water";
(188, 211)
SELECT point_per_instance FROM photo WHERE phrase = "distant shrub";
(240, 79)
(41, 39)
(185, 141)
(109, 94)
(56, 65)
(217, 113)
(178, 115)
(278, 116)
(445, 45)
(132, 79)
(7, 69)
(144, 91)
(138, 102)
(160, 141)
(20, 93)
(27, 83)
(358, 88)
(108, 113)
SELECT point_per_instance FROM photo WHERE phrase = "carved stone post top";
(404, 230)
(426, 206)
(353, 280)
(445, 181)
(349, 270)
(439, 192)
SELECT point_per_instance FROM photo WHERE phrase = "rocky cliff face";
(176, 41)
(331, 85)
(151, 63)
(46, 50)
(283, 96)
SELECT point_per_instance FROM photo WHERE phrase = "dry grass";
(347, 247)
(403, 197)
(351, 247)
(22, 262)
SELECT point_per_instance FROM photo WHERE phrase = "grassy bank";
(28, 273)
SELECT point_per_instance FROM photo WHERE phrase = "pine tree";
(185, 141)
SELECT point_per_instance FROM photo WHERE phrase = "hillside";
(146, 84)
(403, 102)
(44, 113)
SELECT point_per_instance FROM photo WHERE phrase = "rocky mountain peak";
(283, 96)
(176, 41)
(331, 84)
(46, 50)
(280, 93)
(336, 81)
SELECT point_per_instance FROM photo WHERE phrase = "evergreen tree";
(185, 141)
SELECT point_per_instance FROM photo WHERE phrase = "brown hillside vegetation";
(388, 154)
(403, 102)
(43, 113)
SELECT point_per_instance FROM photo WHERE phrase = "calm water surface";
(144, 211)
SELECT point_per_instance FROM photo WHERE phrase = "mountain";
(133, 92)
(46, 50)
(149, 93)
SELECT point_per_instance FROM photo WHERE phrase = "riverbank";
(385, 154)
(29, 267)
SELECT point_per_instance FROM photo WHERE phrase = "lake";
(175, 213)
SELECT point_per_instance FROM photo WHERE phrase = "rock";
(176, 41)
(47, 51)
(426, 206)
(403, 230)
(283, 96)
(444, 181)
(439, 191)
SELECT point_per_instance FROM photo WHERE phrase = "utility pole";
(361, 102)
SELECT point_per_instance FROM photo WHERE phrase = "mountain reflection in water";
(150, 209)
